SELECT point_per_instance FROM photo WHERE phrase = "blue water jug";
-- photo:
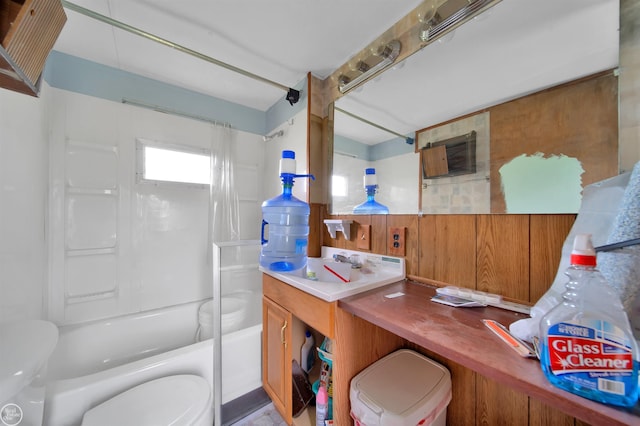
(287, 219)
(371, 206)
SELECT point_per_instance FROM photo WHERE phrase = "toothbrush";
(344, 280)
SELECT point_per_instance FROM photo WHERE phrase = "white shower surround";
(151, 250)
(35, 274)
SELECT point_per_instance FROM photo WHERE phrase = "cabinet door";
(276, 356)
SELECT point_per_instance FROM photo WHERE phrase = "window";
(170, 163)
(338, 186)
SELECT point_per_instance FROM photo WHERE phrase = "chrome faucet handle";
(354, 259)
(340, 258)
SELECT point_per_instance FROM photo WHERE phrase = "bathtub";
(95, 361)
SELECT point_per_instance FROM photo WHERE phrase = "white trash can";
(403, 388)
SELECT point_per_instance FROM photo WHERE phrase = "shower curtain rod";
(364, 120)
(157, 39)
(174, 112)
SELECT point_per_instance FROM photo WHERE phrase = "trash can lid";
(401, 383)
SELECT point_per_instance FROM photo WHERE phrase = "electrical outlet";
(396, 241)
(363, 237)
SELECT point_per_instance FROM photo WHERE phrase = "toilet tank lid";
(178, 399)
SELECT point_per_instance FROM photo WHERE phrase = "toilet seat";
(173, 400)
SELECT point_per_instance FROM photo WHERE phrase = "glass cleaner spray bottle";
(587, 346)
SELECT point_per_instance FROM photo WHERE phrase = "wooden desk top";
(460, 335)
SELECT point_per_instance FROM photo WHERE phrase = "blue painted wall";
(79, 75)
(390, 148)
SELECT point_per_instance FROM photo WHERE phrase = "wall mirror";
(514, 49)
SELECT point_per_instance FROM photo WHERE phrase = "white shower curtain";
(224, 215)
(224, 223)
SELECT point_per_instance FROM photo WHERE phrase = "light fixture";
(448, 16)
(388, 55)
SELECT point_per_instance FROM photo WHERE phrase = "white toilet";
(172, 400)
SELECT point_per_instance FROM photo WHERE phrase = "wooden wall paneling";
(351, 244)
(379, 233)
(578, 119)
(411, 239)
(315, 230)
(546, 237)
(503, 255)
(319, 160)
(462, 408)
(327, 158)
(427, 246)
(542, 415)
(353, 352)
(500, 405)
(447, 249)
(317, 99)
(317, 168)
(319, 142)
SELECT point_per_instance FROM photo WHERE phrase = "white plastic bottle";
(307, 354)
(587, 346)
(322, 406)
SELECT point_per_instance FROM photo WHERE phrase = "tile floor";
(266, 416)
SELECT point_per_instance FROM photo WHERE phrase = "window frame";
(142, 143)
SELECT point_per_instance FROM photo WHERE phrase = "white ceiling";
(280, 40)
(519, 46)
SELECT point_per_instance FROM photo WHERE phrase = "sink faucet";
(353, 260)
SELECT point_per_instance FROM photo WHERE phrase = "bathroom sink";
(25, 348)
(376, 271)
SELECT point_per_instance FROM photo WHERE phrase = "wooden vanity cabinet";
(286, 312)
(276, 356)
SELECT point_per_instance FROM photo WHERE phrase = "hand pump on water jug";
(371, 206)
(287, 218)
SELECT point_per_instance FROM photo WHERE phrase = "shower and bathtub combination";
(96, 361)
(124, 269)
